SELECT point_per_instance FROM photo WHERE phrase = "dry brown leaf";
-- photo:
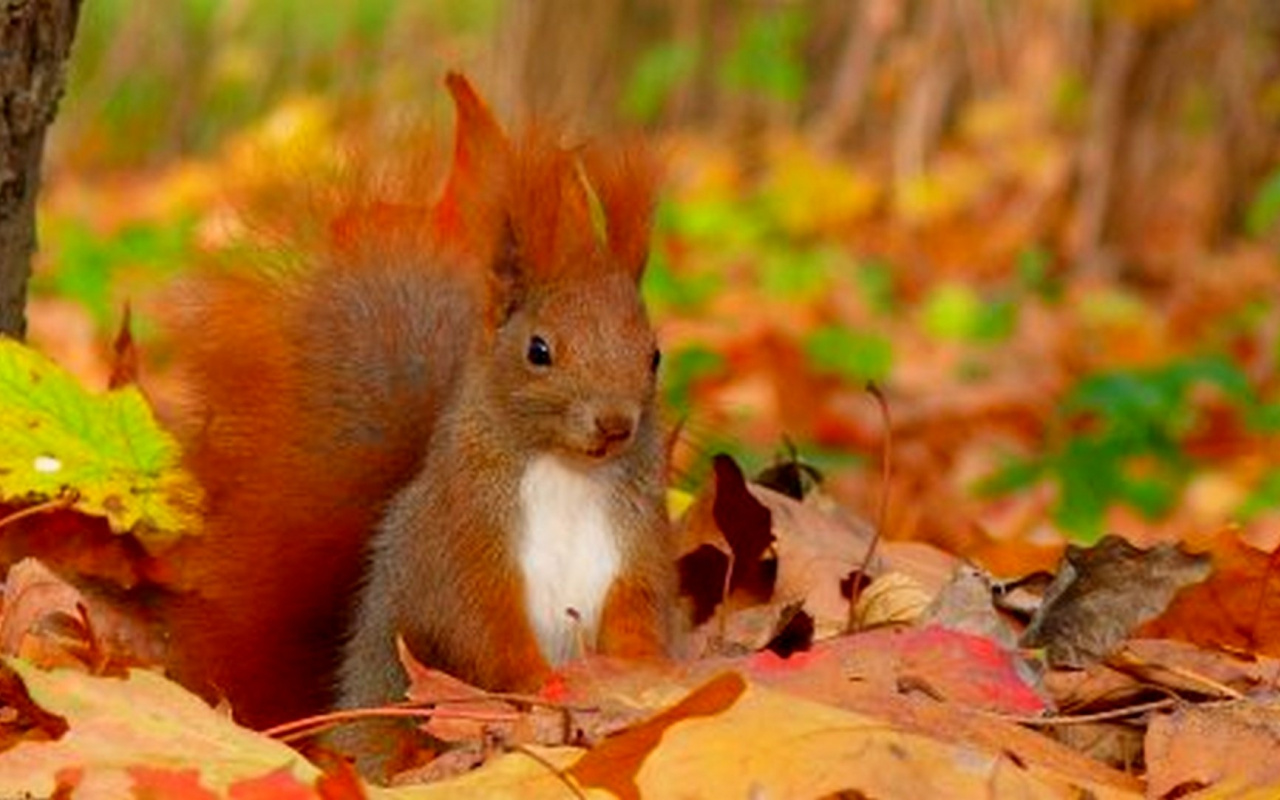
(1238, 607)
(817, 546)
(1103, 593)
(965, 604)
(50, 622)
(893, 598)
(1183, 667)
(1230, 748)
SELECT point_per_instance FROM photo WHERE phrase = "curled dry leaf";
(1103, 593)
(965, 604)
(892, 598)
(816, 546)
(50, 622)
(465, 713)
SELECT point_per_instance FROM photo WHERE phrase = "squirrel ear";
(625, 179)
(506, 278)
(481, 161)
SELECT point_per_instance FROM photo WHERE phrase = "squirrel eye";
(656, 360)
(539, 352)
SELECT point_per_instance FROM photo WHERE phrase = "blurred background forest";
(1049, 229)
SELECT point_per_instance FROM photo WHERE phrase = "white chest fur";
(568, 554)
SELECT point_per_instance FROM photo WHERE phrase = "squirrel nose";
(615, 427)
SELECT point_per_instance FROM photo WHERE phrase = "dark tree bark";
(35, 39)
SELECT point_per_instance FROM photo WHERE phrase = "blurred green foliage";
(660, 70)
(142, 97)
(766, 60)
(139, 99)
(857, 356)
(1264, 212)
(956, 312)
(97, 269)
(1120, 439)
(682, 369)
(1034, 267)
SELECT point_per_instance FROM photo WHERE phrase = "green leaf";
(793, 273)
(1264, 497)
(663, 288)
(766, 58)
(850, 354)
(661, 69)
(683, 369)
(957, 312)
(1264, 211)
(88, 265)
(952, 312)
(1014, 475)
(56, 437)
(878, 285)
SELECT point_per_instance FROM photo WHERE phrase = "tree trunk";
(35, 39)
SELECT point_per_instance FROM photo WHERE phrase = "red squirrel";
(443, 430)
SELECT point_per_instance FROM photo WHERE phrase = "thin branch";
(1082, 719)
(308, 726)
(552, 768)
(882, 512)
(64, 500)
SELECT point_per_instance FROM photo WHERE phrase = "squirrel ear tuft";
(506, 278)
(625, 180)
(481, 161)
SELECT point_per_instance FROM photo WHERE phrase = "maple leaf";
(105, 452)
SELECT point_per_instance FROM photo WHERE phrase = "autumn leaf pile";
(810, 665)
(1069, 465)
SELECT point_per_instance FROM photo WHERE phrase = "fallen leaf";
(280, 784)
(772, 744)
(50, 622)
(614, 764)
(1228, 749)
(117, 725)
(965, 604)
(1103, 593)
(1238, 607)
(462, 712)
(1183, 667)
(107, 449)
(125, 363)
(726, 534)
(892, 598)
(158, 783)
(74, 543)
(747, 527)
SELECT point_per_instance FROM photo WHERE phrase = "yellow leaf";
(811, 194)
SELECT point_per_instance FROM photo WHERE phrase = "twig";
(1081, 719)
(1128, 660)
(552, 768)
(882, 512)
(64, 500)
(308, 726)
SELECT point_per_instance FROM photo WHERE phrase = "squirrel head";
(560, 237)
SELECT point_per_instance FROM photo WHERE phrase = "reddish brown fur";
(320, 395)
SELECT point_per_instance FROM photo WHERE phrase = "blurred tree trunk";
(35, 39)
(563, 59)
